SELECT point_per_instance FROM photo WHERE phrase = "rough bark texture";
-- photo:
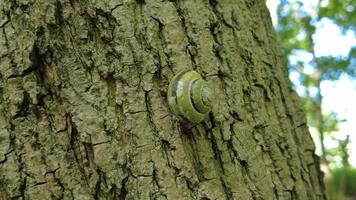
(83, 110)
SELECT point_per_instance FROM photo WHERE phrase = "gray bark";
(83, 110)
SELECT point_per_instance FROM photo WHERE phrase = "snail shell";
(190, 96)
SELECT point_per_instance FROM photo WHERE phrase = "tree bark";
(84, 113)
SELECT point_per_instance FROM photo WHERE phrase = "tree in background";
(297, 25)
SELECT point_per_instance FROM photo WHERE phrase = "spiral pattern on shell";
(190, 97)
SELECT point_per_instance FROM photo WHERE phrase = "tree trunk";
(84, 113)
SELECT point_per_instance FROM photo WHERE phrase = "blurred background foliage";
(298, 22)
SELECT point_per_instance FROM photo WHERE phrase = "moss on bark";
(84, 113)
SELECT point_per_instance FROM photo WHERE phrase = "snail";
(189, 96)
